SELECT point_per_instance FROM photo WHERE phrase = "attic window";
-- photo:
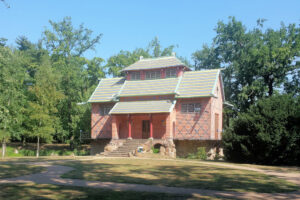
(135, 76)
(153, 75)
(170, 73)
(104, 110)
(190, 107)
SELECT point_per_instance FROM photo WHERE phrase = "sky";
(129, 24)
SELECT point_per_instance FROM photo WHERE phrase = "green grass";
(177, 174)
(15, 170)
(45, 191)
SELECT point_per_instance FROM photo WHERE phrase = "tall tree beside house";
(257, 62)
(42, 108)
(125, 58)
(12, 95)
(67, 45)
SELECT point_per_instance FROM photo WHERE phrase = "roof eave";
(193, 96)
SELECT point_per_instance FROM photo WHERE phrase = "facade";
(159, 99)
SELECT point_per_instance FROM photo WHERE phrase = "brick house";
(159, 100)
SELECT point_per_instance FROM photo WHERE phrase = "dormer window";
(170, 73)
(135, 76)
(153, 75)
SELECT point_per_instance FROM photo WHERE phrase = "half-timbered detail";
(159, 102)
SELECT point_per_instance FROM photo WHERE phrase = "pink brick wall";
(100, 125)
(193, 125)
(217, 108)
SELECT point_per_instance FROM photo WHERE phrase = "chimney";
(141, 57)
(174, 54)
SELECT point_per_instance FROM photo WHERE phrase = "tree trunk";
(38, 147)
(3, 148)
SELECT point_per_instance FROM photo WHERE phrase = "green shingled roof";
(131, 107)
(149, 87)
(198, 83)
(191, 84)
(107, 89)
(154, 63)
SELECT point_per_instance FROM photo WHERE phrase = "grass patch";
(45, 191)
(177, 174)
(15, 170)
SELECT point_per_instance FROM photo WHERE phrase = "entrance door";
(216, 126)
(146, 129)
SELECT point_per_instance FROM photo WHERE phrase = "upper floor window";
(170, 73)
(190, 107)
(104, 110)
(153, 75)
(135, 75)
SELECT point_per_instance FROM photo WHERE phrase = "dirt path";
(53, 173)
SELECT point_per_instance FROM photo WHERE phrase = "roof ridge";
(157, 58)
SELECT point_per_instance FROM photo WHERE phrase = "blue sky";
(127, 25)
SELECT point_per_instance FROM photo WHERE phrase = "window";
(104, 110)
(153, 75)
(135, 76)
(190, 107)
(170, 73)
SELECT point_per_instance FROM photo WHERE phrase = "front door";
(146, 129)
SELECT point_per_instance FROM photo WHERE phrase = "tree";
(67, 45)
(266, 133)
(43, 106)
(257, 62)
(12, 98)
(67, 41)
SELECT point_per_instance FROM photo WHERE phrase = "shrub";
(200, 154)
(268, 133)
(155, 150)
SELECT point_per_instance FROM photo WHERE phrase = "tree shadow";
(188, 176)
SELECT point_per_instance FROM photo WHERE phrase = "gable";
(107, 90)
(198, 83)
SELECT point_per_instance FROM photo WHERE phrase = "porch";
(141, 126)
(143, 120)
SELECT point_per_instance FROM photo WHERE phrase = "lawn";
(15, 170)
(177, 174)
(45, 191)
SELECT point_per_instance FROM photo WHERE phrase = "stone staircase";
(126, 148)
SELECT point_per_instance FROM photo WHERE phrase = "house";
(159, 100)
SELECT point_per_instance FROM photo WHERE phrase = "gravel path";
(53, 173)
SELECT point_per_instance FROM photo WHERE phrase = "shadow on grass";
(15, 170)
(189, 176)
(46, 191)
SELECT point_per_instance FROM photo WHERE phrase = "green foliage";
(268, 133)
(155, 150)
(10, 152)
(256, 62)
(200, 154)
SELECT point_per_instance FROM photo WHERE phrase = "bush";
(200, 154)
(268, 133)
(155, 150)
(44, 152)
